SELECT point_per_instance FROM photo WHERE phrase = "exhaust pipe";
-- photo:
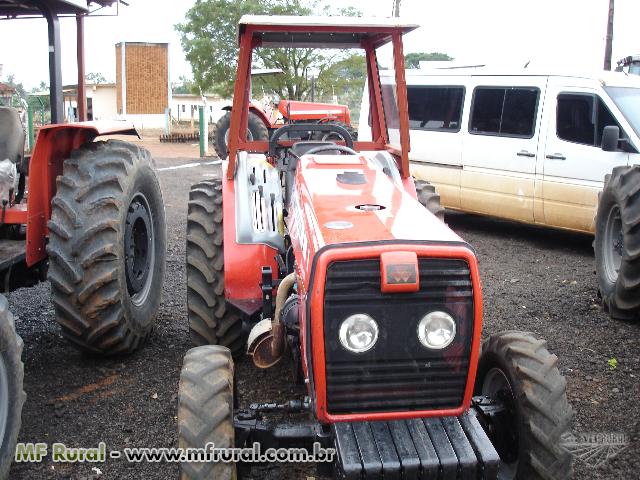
(266, 339)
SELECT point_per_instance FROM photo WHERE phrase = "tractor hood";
(348, 198)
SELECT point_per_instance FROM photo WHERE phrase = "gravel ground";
(534, 279)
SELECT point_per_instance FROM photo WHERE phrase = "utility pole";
(396, 8)
(609, 40)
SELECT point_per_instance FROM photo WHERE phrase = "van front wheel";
(617, 243)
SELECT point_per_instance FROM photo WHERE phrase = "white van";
(523, 146)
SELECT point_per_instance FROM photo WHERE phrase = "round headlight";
(437, 330)
(358, 333)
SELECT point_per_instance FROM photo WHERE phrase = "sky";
(567, 33)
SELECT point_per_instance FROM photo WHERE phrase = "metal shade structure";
(52, 10)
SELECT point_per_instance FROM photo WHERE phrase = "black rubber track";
(205, 409)
(622, 188)
(86, 247)
(211, 320)
(11, 351)
(543, 412)
(256, 126)
(428, 197)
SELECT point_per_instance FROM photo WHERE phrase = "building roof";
(6, 88)
(322, 32)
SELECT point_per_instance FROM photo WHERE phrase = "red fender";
(54, 144)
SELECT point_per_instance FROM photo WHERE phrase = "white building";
(184, 106)
(101, 102)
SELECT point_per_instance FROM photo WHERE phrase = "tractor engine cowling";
(390, 301)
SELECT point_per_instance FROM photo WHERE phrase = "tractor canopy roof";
(321, 32)
(31, 8)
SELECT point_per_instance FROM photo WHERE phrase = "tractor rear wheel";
(429, 198)
(11, 394)
(211, 320)
(617, 243)
(517, 370)
(205, 409)
(257, 130)
(107, 247)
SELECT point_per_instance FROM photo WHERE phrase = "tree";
(95, 77)
(344, 79)
(12, 82)
(412, 60)
(209, 40)
(184, 85)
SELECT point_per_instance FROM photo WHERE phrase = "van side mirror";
(610, 138)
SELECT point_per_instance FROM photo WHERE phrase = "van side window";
(507, 112)
(435, 108)
(577, 122)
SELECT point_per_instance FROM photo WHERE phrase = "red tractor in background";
(86, 215)
(260, 124)
(321, 251)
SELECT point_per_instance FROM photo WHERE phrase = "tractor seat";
(11, 135)
(302, 147)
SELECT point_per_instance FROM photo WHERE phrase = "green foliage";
(613, 363)
(95, 77)
(209, 38)
(412, 60)
(185, 85)
(12, 82)
(345, 80)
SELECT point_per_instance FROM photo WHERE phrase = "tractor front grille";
(398, 373)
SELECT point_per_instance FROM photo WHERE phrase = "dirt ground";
(534, 279)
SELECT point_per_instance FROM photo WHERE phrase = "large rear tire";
(11, 393)
(107, 247)
(517, 369)
(205, 409)
(617, 243)
(211, 320)
(429, 198)
(257, 130)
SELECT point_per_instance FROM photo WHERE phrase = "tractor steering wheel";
(305, 128)
(333, 148)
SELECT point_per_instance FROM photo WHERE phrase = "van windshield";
(628, 101)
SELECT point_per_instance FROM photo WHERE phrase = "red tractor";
(87, 215)
(260, 125)
(322, 251)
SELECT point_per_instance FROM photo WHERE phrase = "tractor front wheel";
(517, 372)
(11, 394)
(205, 409)
(211, 320)
(256, 130)
(429, 198)
(617, 243)
(107, 247)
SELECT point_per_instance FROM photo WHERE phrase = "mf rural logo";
(594, 449)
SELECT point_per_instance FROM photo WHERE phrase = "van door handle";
(556, 156)
(524, 153)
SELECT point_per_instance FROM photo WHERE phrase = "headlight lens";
(358, 333)
(437, 330)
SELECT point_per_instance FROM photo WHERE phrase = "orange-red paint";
(53, 146)
(318, 333)
(399, 272)
(242, 263)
